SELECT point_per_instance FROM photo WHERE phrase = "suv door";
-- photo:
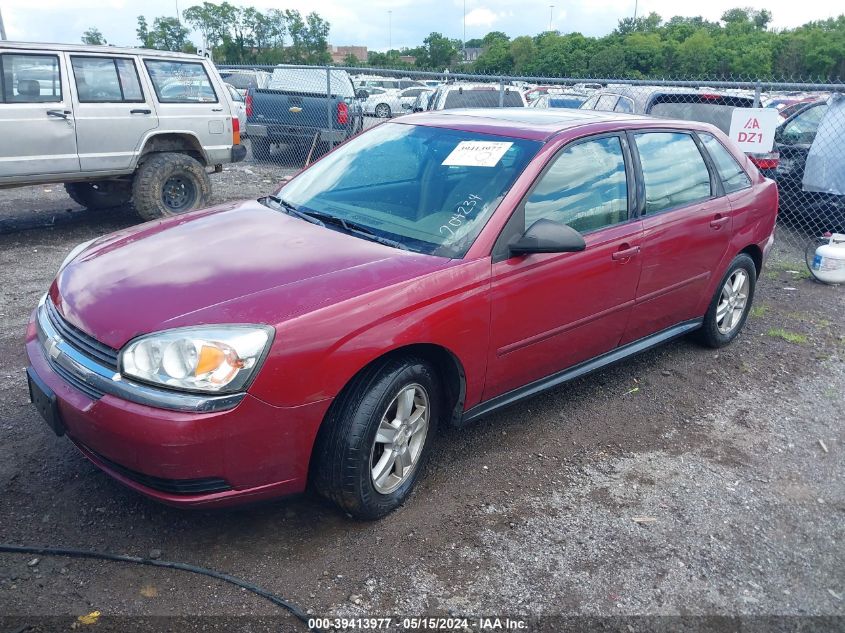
(686, 230)
(113, 114)
(36, 117)
(189, 101)
(552, 311)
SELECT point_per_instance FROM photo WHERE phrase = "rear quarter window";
(732, 175)
(180, 82)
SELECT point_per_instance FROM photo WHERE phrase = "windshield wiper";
(293, 210)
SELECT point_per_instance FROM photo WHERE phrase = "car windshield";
(429, 189)
(239, 81)
(714, 110)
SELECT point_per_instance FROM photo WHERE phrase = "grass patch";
(791, 337)
(800, 270)
(759, 311)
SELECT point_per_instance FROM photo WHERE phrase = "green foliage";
(436, 53)
(93, 37)
(167, 34)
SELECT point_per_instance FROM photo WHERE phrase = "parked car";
(387, 103)
(793, 140)
(243, 79)
(238, 105)
(429, 271)
(293, 110)
(559, 100)
(469, 95)
(689, 104)
(115, 125)
(367, 82)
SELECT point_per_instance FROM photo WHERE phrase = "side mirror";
(362, 94)
(547, 236)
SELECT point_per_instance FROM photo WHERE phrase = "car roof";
(85, 48)
(531, 123)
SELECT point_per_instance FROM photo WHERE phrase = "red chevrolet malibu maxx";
(427, 272)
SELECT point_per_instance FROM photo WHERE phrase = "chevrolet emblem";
(295, 109)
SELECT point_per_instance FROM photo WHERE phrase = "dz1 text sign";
(753, 129)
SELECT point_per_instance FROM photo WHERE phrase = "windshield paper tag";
(477, 154)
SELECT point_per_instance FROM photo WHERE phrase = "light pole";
(551, 13)
(2, 28)
(389, 31)
(635, 10)
(464, 41)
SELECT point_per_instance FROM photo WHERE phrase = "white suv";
(115, 124)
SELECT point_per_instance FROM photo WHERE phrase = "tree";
(350, 59)
(437, 52)
(143, 33)
(167, 34)
(93, 37)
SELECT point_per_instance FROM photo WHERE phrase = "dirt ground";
(683, 483)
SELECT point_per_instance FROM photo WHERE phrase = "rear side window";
(106, 80)
(180, 82)
(625, 105)
(733, 176)
(674, 171)
(802, 129)
(585, 187)
(606, 103)
(31, 78)
(481, 99)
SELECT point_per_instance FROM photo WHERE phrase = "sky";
(380, 23)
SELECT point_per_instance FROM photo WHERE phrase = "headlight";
(76, 251)
(216, 358)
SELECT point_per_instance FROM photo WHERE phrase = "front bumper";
(184, 458)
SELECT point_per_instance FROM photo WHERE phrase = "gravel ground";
(683, 483)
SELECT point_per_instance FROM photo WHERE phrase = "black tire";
(710, 334)
(341, 470)
(261, 148)
(104, 194)
(164, 173)
(382, 111)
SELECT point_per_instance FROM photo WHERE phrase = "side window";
(31, 78)
(732, 175)
(590, 104)
(606, 103)
(674, 171)
(180, 82)
(802, 129)
(625, 105)
(585, 187)
(105, 80)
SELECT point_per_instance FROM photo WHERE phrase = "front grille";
(73, 381)
(204, 485)
(81, 341)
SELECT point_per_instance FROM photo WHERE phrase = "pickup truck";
(297, 109)
(115, 125)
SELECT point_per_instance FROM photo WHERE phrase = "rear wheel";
(261, 148)
(100, 195)
(729, 308)
(170, 184)
(377, 436)
(383, 111)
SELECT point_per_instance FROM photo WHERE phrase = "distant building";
(472, 54)
(339, 53)
(408, 59)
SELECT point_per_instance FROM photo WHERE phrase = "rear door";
(552, 311)
(686, 230)
(36, 116)
(113, 113)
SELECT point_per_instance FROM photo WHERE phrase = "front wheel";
(377, 436)
(729, 308)
(170, 184)
(383, 111)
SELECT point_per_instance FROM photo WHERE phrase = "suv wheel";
(261, 148)
(729, 308)
(377, 436)
(100, 195)
(170, 184)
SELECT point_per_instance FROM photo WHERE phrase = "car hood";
(238, 263)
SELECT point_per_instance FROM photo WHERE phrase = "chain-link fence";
(292, 115)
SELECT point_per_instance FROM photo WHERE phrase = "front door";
(552, 311)
(113, 115)
(37, 130)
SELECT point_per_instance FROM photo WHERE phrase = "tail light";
(248, 102)
(342, 113)
(236, 131)
(765, 161)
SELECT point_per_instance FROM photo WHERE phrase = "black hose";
(194, 569)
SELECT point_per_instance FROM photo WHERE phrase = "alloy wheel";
(732, 301)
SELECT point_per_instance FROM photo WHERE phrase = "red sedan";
(425, 273)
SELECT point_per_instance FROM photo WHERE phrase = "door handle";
(140, 111)
(718, 222)
(217, 109)
(624, 254)
(59, 114)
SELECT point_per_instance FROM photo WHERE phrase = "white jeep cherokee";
(115, 125)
